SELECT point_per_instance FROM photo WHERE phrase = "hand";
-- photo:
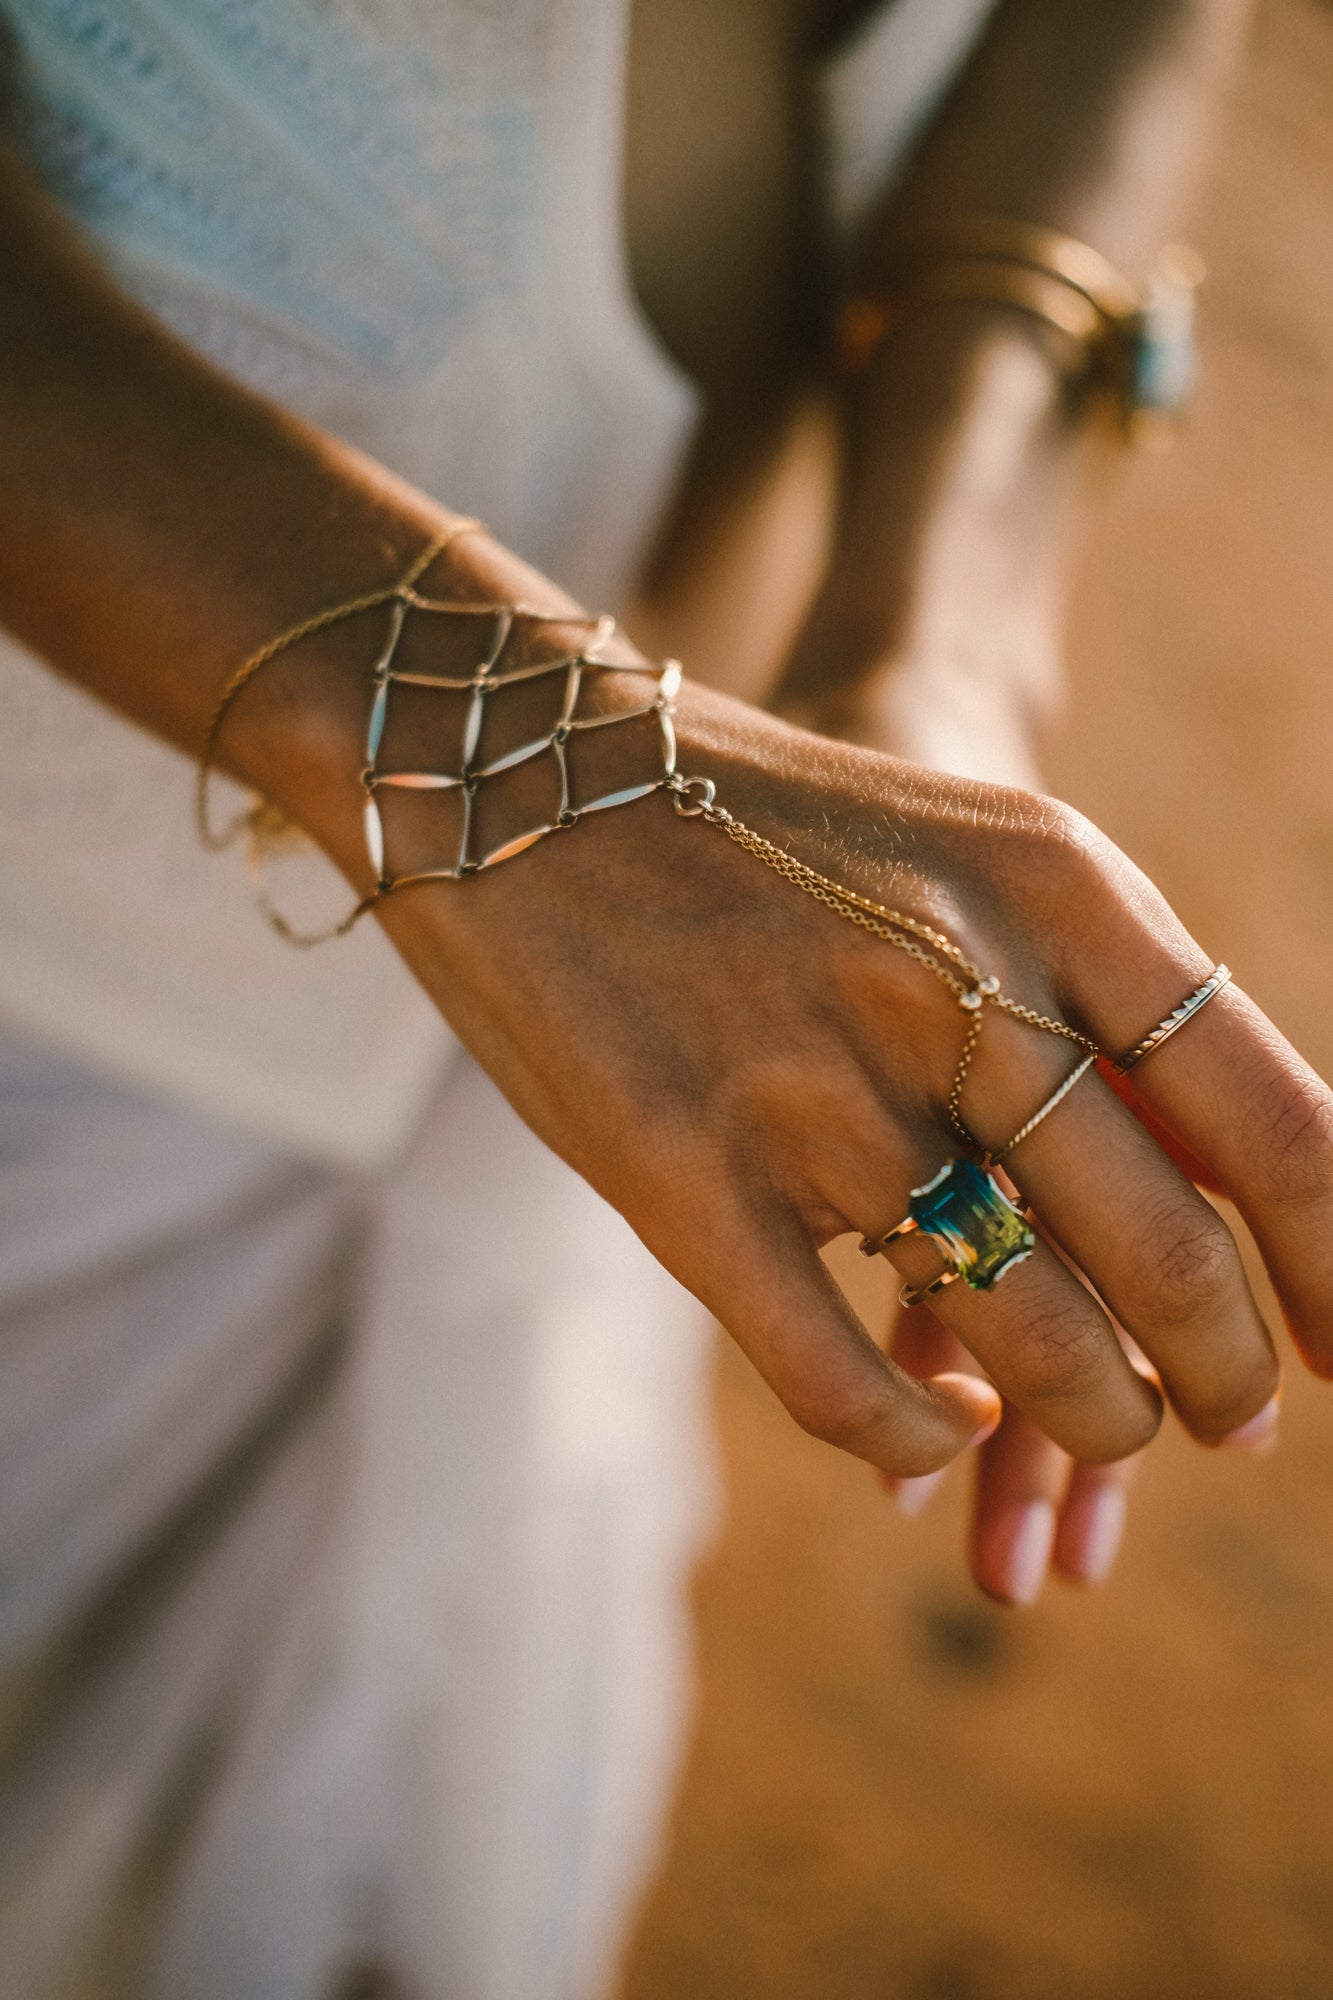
(971, 712)
(745, 1077)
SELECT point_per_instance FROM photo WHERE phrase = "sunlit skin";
(742, 1075)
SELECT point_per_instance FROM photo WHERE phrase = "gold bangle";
(867, 321)
(1076, 265)
(1134, 339)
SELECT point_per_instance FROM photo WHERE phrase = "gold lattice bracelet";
(485, 679)
(972, 989)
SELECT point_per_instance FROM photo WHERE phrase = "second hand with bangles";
(980, 1234)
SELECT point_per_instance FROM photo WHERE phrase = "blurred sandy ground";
(896, 1792)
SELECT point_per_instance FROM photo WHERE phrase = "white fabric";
(881, 91)
(417, 1662)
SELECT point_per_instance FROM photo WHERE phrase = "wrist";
(463, 712)
(962, 465)
(962, 455)
(297, 729)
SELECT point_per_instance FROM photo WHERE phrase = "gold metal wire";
(305, 628)
(693, 797)
(260, 822)
(974, 991)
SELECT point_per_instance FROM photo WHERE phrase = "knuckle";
(1058, 856)
(1192, 1268)
(1131, 1431)
(844, 1417)
(1065, 830)
(1241, 1397)
(1296, 1118)
(1072, 845)
(1064, 1356)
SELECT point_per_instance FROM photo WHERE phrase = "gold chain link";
(216, 840)
(970, 987)
(973, 992)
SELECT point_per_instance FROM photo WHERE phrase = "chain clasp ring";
(683, 789)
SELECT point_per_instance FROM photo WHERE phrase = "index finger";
(756, 1267)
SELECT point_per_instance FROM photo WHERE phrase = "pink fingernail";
(1259, 1434)
(913, 1494)
(1091, 1533)
(1023, 1542)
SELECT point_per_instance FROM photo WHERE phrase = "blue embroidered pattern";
(321, 162)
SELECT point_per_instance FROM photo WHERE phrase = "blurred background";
(894, 1789)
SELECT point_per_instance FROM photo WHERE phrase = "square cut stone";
(976, 1227)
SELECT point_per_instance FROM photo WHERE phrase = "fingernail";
(1022, 1546)
(1091, 1533)
(912, 1494)
(988, 1430)
(1259, 1434)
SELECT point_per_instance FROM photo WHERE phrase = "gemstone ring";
(976, 1228)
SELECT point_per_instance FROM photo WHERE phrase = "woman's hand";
(936, 638)
(971, 710)
(963, 689)
(745, 1077)
(1034, 1509)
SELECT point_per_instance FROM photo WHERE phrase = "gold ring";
(1186, 1011)
(1057, 1096)
(976, 1228)
(915, 1295)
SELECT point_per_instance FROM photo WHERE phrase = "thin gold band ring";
(1186, 1011)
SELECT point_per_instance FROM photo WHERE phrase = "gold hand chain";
(695, 798)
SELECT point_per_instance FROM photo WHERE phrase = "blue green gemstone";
(980, 1232)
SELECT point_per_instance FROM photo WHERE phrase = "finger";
(923, 1347)
(1226, 1084)
(1170, 1142)
(1161, 1257)
(1019, 1470)
(1091, 1518)
(1040, 1336)
(1022, 1479)
(1092, 1521)
(765, 1281)
(1257, 1115)
(1050, 1349)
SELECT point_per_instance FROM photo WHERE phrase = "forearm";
(157, 522)
(963, 453)
(1091, 119)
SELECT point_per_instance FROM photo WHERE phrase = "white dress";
(345, 1507)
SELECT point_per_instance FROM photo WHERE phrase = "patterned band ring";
(1186, 1011)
